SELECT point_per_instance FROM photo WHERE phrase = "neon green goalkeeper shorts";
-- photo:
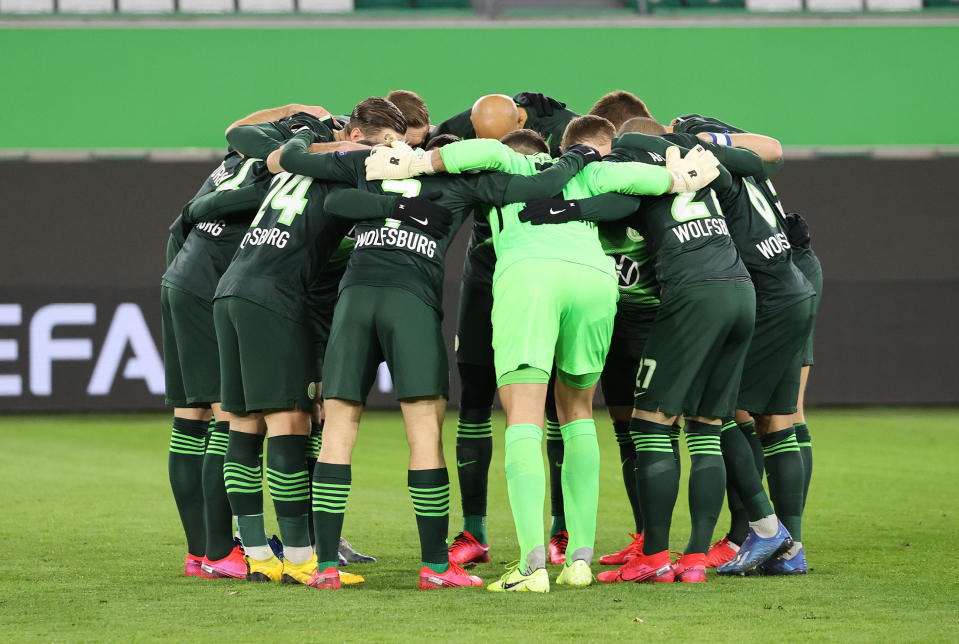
(550, 310)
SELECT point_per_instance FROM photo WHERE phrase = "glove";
(694, 171)
(550, 211)
(541, 104)
(798, 232)
(397, 161)
(423, 214)
(696, 123)
(587, 153)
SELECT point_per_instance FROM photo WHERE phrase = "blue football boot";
(755, 550)
(782, 566)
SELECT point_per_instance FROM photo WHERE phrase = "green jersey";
(686, 232)
(633, 262)
(387, 255)
(210, 246)
(761, 236)
(290, 239)
(224, 174)
(550, 128)
(575, 241)
(804, 258)
(480, 260)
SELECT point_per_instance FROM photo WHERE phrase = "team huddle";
(607, 250)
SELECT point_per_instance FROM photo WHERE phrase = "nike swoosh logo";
(556, 212)
(458, 464)
(559, 465)
(507, 586)
(421, 222)
(639, 394)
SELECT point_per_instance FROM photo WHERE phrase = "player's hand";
(397, 161)
(541, 104)
(424, 214)
(550, 211)
(314, 110)
(696, 123)
(587, 153)
(798, 233)
(692, 172)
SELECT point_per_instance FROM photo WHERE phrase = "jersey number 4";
(287, 196)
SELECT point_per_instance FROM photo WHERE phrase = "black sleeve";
(229, 205)
(609, 206)
(342, 168)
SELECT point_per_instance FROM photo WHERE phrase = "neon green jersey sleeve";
(478, 154)
(631, 178)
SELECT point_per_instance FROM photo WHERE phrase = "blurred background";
(113, 113)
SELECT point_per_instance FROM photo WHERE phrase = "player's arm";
(769, 149)
(474, 154)
(255, 141)
(499, 188)
(277, 113)
(419, 212)
(460, 125)
(296, 157)
(611, 206)
(229, 205)
(737, 160)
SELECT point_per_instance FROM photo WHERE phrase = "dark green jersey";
(258, 141)
(761, 236)
(635, 267)
(686, 232)
(387, 255)
(803, 257)
(225, 174)
(480, 260)
(289, 241)
(227, 212)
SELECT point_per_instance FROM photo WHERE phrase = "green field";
(96, 550)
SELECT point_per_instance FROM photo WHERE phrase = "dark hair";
(441, 140)
(620, 106)
(412, 106)
(643, 125)
(586, 127)
(376, 114)
(525, 141)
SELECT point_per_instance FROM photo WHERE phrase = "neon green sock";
(526, 485)
(581, 487)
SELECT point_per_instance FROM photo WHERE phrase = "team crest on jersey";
(633, 234)
(311, 391)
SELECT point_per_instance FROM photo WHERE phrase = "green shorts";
(376, 323)
(550, 310)
(816, 280)
(770, 382)
(696, 349)
(474, 326)
(265, 358)
(190, 357)
(630, 332)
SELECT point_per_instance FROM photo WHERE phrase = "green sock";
(187, 447)
(526, 486)
(707, 483)
(785, 476)
(243, 478)
(752, 439)
(674, 437)
(289, 484)
(805, 449)
(657, 479)
(743, 479)
(217, 513)
(627, 458)
(313, 445)
(430, 491)
(331, 488)
(474, 452)
(554, 452)
(581, 487)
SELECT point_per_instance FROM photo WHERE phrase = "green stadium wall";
(172, 88)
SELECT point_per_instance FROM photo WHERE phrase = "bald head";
(496, 115)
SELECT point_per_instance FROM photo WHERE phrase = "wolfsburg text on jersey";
(261, 236)
(700, 228)
(396, 238)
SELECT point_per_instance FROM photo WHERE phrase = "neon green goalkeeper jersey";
(574, 241)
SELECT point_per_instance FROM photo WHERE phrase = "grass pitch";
(95, 549)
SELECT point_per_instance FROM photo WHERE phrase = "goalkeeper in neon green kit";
(554, 300)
